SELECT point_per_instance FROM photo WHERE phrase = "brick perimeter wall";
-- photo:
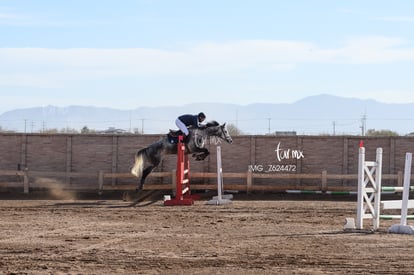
(91, 153)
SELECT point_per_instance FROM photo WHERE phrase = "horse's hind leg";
(145, 174)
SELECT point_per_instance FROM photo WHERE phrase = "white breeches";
(181, 126)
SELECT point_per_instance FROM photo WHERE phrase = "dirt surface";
(268, 236)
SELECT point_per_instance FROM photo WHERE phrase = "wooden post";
(26, 181)
(399, 178)
(100, 181)
(23, 156)
(249, 181)
(392, 156)
(252, 149)
(345, 168)
(324, 180)
(114, 158)
(68, 159)
(299, 144)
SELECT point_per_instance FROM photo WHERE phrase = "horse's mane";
(212, 123)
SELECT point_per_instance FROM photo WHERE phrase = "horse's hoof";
(125, 196)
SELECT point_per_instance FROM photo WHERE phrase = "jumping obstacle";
(369, 189)
(220, 198)
(369, 201)
(183, 194)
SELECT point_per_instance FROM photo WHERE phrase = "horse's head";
(220, 131)
(225, 134)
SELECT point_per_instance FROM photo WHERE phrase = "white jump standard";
(220, 198)
(403, 228)
(369, 189)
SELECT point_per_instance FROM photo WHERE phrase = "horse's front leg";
(201, 155)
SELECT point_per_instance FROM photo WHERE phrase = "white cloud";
(373, 50)
(247, 54)
(54, 67)
(395, 18)
(10, 16)
(15, 19)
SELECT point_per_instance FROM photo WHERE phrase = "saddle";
(173, 136)
(175, 133)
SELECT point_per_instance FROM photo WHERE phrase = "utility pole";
(237, 119)
(334, 126)
(363, 124)
(130, 122)
(269, 118)
(142, 126)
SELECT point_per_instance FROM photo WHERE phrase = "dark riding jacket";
(189, 120)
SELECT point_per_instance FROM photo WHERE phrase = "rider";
(187, 120)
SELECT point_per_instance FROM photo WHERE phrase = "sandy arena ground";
(272, 235)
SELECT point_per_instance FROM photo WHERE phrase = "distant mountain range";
(314, 115)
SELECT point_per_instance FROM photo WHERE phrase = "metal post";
(406, 192)
(377, 185)
(361, 189)
(220, 198)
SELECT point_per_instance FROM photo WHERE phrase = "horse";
(148, 158)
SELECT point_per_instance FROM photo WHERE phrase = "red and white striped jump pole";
(183, 194)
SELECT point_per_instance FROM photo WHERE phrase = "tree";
(233, 130)
(68, 130)
(2, 130)
(85, 130)
(137, 131)
(381, 133)
(50, 131)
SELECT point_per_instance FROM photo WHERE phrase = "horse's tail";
(138, 167)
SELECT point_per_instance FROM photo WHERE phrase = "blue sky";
(127, 54)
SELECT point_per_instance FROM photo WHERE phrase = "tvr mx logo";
(282, 154)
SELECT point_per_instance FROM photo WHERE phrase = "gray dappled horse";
(150, 157)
